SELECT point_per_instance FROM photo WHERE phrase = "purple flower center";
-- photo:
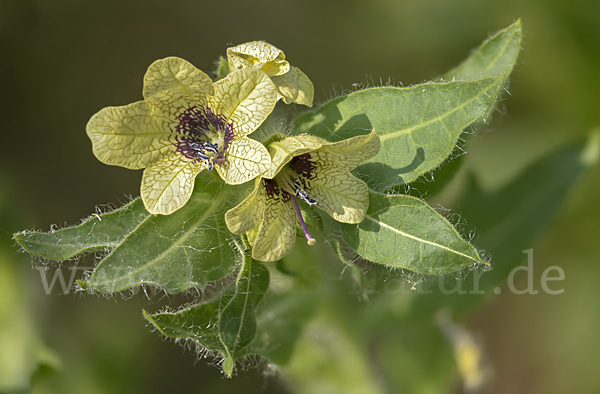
(295, 175)
(274, 191)
(203, 135)
(303, 165)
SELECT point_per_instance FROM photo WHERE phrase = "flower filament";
(291, 179)
(309, 240)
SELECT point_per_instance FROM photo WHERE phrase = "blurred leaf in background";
(24, 358)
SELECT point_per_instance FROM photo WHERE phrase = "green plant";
(238, 312)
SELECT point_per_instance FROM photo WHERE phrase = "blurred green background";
(63, 60)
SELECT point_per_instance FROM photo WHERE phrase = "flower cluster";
(187, 124)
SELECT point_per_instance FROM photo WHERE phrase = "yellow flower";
(313, 170)
(292, 84)
(184, 125)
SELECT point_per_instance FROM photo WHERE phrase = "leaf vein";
(437, 118)
(216, 203)
(388, 227)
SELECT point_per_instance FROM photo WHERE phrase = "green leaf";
(237, 323)
(508, 220)
(418, 126)
(435, 182)
(190, 247)
(496, 56)
(97, 232)
(226, 325)
(403, 231)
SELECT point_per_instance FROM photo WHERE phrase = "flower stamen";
(301, 193)
(204, 136)
(309, 240)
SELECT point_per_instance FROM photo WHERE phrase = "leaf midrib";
(91, 245)
(413, 237)
(217, 202)
(246, 292)
(495, 59)
(438, 118)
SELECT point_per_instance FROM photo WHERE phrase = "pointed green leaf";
(403, 231)
(496, 56)
(190, 247)
(97, 232)
(418, 126)
(196, 322)
(508, 220)
(226, 325)
(237, 323)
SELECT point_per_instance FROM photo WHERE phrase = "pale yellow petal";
(246, 98)
(295, 87)
(340, 194)
(349, 153)
(276, 234)
(258, 55)
(129, 136)
(246, 159)
(283, 151)
(247, 214)
(173, 84)
(167, 185)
